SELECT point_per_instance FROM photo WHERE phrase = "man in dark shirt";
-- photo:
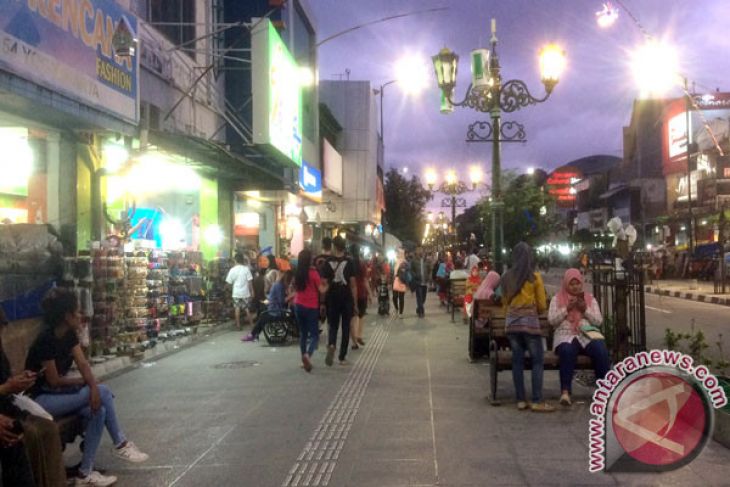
(341, 300)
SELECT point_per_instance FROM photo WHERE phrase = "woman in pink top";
(308, 287)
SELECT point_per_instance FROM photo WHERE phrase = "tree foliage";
(523, 198)
(405, 201)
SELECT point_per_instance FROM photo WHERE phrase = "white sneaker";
(96, 479)
(131, 453)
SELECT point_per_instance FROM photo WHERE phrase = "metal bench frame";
(500, 353)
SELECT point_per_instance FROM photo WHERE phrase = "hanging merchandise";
(218, 303)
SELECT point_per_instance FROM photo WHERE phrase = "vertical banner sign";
(277, 94)
(66, 46)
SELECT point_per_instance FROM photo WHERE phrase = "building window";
(175, 19)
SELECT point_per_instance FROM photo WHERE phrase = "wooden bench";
(482, 313)
(500, 353)
(20, 336)
(457, 291)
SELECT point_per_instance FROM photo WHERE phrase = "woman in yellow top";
(525, 300)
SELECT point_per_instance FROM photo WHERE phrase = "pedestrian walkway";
(410, 410)
(694, 290)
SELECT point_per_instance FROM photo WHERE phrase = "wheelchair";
(280, 326)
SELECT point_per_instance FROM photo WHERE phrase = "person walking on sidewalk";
(400, 285)
(573, 312)
(308, 286)
(54, 351)
(341, 301)
(241, 279)
(421, 268)
(363, 296)
(524, 300)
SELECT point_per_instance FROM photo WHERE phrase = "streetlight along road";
(488, 94)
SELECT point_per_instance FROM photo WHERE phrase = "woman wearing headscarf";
(524, 300)
(572, 310)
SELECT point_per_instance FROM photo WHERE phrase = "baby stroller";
(383, 298)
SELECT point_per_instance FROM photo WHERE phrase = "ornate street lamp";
(487, 93)
(453, 187)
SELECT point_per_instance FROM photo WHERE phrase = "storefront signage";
(310, 182)
(277, 96)
(561, 186)
(332, 167)
(708, 126)
(66, 46)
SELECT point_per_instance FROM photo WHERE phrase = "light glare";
(412, 74)
(656, 67)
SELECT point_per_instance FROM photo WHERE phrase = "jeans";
(421, 292)
(339, 310)
(308, 320)
(521, 342)
(568, 353)
(78, 403)
(399, 301)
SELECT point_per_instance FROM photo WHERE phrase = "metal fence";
(620, 294)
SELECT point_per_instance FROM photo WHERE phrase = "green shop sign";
(277, 94)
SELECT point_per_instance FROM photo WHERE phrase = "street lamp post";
(453, 188)
(488, 94)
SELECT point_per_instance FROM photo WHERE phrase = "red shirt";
(309, 298)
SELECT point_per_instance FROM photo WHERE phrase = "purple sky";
(590, 105)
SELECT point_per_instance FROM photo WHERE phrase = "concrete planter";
(722, 418)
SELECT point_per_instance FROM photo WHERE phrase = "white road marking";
(665, 311)
(317, 461)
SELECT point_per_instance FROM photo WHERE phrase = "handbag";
(591, 332)
(399, 286)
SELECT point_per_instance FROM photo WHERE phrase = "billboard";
(332, 167)
(708, 125)
(310, 182)
(562, 185)
(277, 94)
(67, 47)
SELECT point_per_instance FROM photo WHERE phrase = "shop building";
(273, 120)
(358, 199)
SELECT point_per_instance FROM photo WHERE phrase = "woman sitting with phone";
(576, 315)
(55, 349)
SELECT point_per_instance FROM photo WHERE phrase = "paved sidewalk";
(409, 410)
(703, 291)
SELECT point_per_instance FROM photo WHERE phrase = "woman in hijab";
(524, 300)
(570, 310)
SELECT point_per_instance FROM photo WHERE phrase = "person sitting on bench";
(571, 309)
(55, 349)
(279, 298)
(524, 300)
(40, 436)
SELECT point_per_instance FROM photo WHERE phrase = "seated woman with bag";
(50, 357)
(576, 314)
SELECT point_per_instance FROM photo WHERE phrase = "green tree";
(405, 202)
(524, 201)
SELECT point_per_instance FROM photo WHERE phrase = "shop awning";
(614, 191)
(254, 170)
